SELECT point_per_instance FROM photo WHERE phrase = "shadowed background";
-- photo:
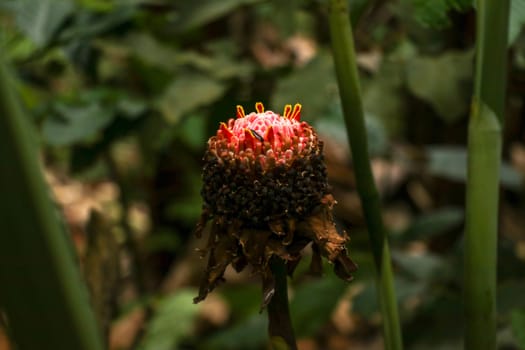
(124, 95)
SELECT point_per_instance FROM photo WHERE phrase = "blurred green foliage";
(129, 91)
(172, 321)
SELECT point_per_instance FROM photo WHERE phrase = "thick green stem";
(484, 153)
(481, 232)
(41, 292)
(350, 92)
(280, 324)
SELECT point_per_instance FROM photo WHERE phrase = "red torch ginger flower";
(266, 192)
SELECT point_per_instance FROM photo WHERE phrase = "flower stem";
(46, 303)
(350, 93)
(280, 324)
(484, 158)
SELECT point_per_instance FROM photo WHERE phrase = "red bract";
(264, 132)
(266, 192)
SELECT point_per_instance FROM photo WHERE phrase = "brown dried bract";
(232, 243)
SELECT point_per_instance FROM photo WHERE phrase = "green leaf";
(451, 163)
(39, 20)
(249, 334)
(151, 51)
(196, 13)
(313, 304)
(435, 13)
(192, 130)
(187, 92)
(333, 126)
(365, 303)
(448, 162)
(38, 265)
(425, 266)
(409, 288)
(297, 87)
(225, 67)
(443, 82)
(131, 108)
(516, 19)
(187, 211)
(438, 324)
(244, 302)
(163, 240)
(510, 296)
(384, 93)
(97, 5)
(87, 24)
(416, 274)
(431, 13)
(219, 63)
(73, 124)
(108, 6)
(437, 222)
(278, 343)
(518, 326)
(172, 321)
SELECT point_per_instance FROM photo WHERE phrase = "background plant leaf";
(39, 20)
(72, 124)
(443, 82)
(186, 93)
(171, 322)
(309, 310)
(518, 326)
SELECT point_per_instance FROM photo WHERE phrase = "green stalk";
(484, 158)
(280, 328)
(350, 93)
(41, 292)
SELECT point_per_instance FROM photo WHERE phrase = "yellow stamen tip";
(240, 112)
(259, 107)
(296, 113)
(287, 111)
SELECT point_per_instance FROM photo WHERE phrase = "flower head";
(265, 190)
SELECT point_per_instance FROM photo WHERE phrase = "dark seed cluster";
(233, 190)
